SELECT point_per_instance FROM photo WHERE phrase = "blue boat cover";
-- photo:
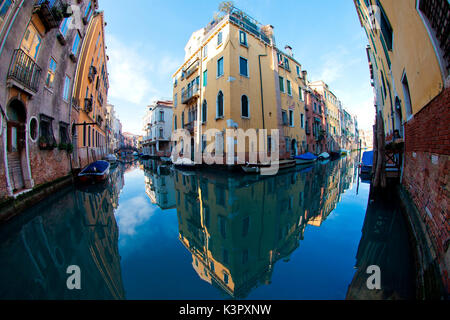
(96, 167)
(367, 158)
(306, 156)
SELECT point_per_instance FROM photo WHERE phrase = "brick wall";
(426, 172)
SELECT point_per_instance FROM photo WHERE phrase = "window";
(242, 38)
(219, 110)
(302, 120)
(225, 278)
(386, 28)
(50, 73)
(205, 51)
(219, 38)
(291, 118)
(220, 67)
(286, 63)
(284, 118)
(300, 93)
(243, 67)
(204, 111)
(244, 107)
(205, 78)
(406, 96)
(161, 133)
(65, 26)
(46, 130)
(175, 122)
(289, 88)
(161, 116)
(64, 133)
(298, 70)
(203, 150)
(4, 7)
(84, 134)
(88, 11)
(175, 100)
(182, 120)
(33, 129)
(31, 42)
(281, 84)
(66, 89)
(76, 44)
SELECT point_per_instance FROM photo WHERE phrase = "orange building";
(90, 95)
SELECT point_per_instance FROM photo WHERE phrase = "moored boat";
(251, 169)
(323, 156)
(305, 158)
(111, 158)
(95, 172)
(184, 163)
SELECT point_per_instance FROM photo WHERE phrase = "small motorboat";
(111, 158)
(166, 160)
(251, 169)
(95, 172)
(305, 158)
(184, 163)
(323, 156)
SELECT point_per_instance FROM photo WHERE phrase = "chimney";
(304, 75)
(289, 51)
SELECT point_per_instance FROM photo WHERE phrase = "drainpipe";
(262, 92)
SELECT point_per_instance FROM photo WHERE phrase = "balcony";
(190, 94)
(88, 105)
(92, 73)
(190, 126)
(51, 12)
(24, 72)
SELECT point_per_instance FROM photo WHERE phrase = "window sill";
(245, 118)
(49, 89)
(245, 45)
(218, 77)
(219, 118)
(243, 75)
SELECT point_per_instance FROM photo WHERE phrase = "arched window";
(219, 111)
(204, 111)
(244, 107)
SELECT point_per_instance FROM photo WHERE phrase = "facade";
(234, 76)
(130, 140)
(40, 46)
(90, 94)
(158, 129)
(333, 108)
(409, 65)
(315, 122)
(113, 129)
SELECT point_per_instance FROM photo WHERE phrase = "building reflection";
(159, 184)
(238, 227)
(383, 242)
(78, 228)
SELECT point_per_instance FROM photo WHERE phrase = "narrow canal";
(154, 232)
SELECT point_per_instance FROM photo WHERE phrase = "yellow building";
(409, 59)
(90, 94)
(234, 76)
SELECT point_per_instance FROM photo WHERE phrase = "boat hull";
(302, 161)
(88, 176)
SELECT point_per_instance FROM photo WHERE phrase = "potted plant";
(69, 148)
(43, 142)
(62, 146)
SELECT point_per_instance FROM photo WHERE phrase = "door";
(16, 144)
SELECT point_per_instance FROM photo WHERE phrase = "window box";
(61, 39)
(46, 143)
(73, 58)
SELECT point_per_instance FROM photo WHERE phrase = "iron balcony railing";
(51, 12)
(189, 93)
(24, 70)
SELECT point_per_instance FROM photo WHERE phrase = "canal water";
(155, 232)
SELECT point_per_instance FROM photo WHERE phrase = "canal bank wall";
(14, 206)
(431, 271)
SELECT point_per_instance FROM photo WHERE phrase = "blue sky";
(145, 42)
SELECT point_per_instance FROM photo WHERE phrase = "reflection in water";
(237, 228)
(73, 227)
(232, 228)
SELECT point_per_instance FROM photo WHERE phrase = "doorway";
(16, 125)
